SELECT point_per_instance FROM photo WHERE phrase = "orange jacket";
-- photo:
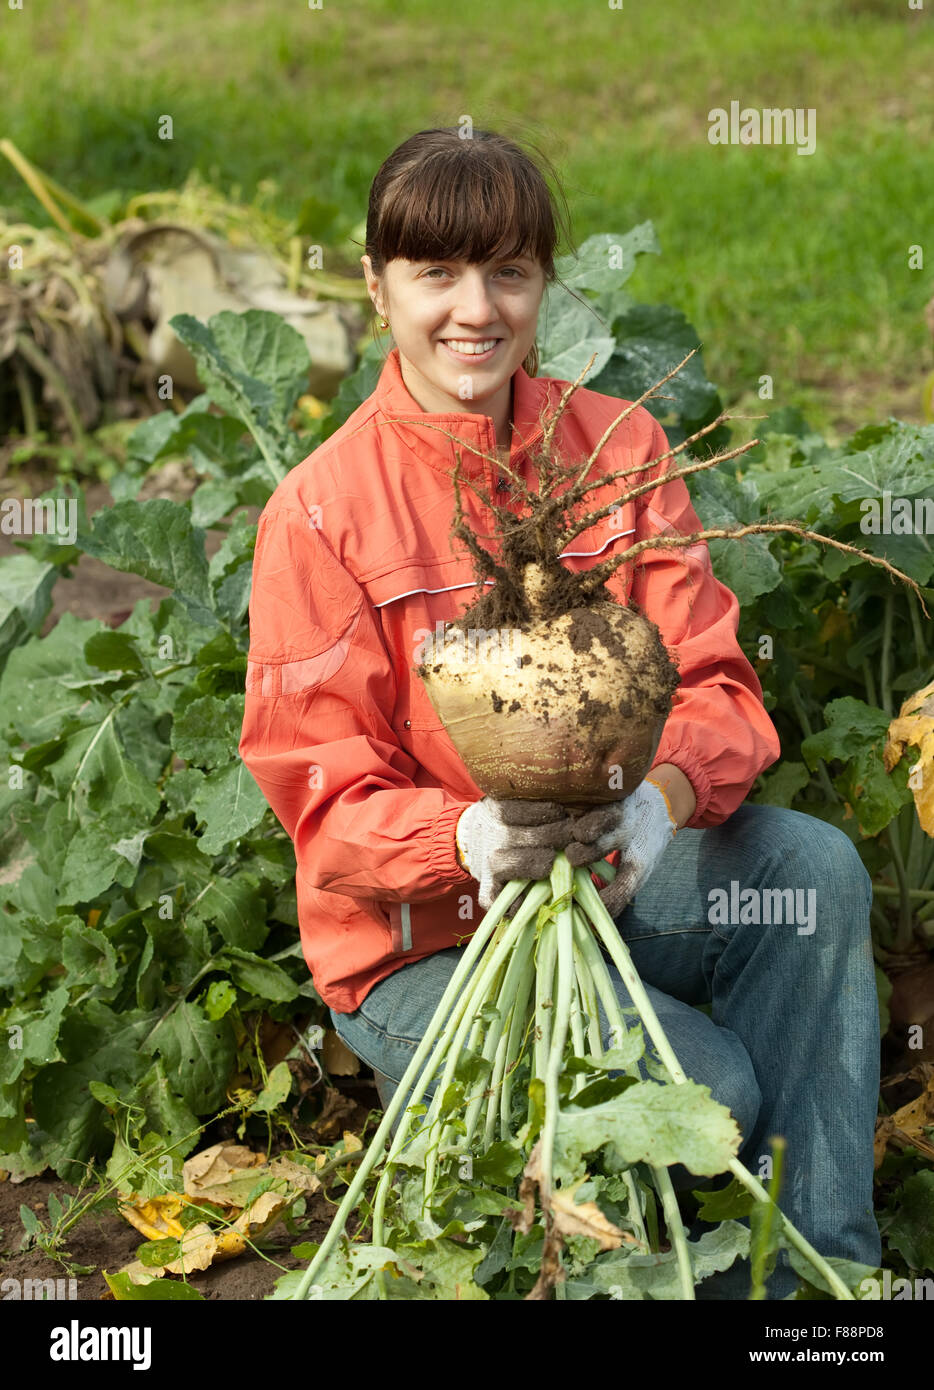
(354, 568)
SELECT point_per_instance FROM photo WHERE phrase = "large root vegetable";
(569, 708)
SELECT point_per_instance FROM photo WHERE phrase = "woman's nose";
(474, 302)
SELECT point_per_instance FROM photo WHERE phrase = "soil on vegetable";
(536, 538)
(103, 1240)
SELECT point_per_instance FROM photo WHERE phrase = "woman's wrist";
(677, 789)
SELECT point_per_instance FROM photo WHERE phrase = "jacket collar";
(394, 400)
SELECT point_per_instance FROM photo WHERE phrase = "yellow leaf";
(914, 727)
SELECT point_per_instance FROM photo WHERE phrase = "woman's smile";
(470, 349)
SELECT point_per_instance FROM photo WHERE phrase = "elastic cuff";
(445, 861)
(696, 774)
(671, 815)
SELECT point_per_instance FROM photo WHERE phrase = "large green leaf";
(605, 262)
(911, 1232)
(198, 1054)
(25, 599)
(651, 1123)
(650, 340)
(157, 540)
(229, 803)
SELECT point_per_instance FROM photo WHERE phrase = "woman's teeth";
(472, 349)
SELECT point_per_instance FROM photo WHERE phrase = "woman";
(398, 853)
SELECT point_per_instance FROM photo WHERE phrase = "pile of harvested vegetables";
(524, 1094)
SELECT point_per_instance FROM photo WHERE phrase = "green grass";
(788, 265)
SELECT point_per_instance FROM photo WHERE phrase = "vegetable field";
(171, 1077)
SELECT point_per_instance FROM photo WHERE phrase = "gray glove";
(641, 828)
(501, 840)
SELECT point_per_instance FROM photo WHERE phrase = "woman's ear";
(372, 282)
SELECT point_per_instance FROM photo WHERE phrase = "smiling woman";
(460, 244)
(398, 850)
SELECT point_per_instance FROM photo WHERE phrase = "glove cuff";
(671, 815)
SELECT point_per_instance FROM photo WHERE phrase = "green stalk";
(589, 1002)
(885, 674)
(544, 1001)
(619, 953)
(904, 934)
(494, 1045)
(563, 933)
(518, 1030)
(614, 1014)
(921, 651)
(479, 993)
(760, 1246)
(455, 984)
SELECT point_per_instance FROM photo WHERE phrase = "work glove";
(501, 840)
(641, 828)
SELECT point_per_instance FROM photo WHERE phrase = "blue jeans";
(791, 1046)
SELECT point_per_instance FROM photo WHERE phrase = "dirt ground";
(105, 1241)
(94, 590)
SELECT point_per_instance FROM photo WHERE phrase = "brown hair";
(442, 196)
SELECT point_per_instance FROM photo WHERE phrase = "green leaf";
(99, 1045)
(911, 1232)
(25, 599)
(852, 725)
(276, 1091)
(500, 1164)
(569, 333)
(219, 999)
(155, 539)
(780, 788)
(606, 261)
(651, 339)
(228, 803)
(850, 1271)
(154, 1254)
(198, 1054)
(207, 731)
(211, 501)
(726, 1203)
(166, 1113)
(125, 1291)
(253, 365)
(651, 1123)
(747, 566)
(95, 859)
(48, 679)
(87, 955)
(262, 978)
(113, 651)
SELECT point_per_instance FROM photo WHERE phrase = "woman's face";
(461, 329)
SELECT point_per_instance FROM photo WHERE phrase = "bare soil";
(103, 1240)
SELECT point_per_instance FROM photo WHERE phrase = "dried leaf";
(585, 1219)
(915, 726)
(337, 1056)
(907, 1125)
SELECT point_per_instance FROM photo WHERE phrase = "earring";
(383, 323)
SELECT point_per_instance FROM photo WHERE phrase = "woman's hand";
(641, 828)
(501, 840)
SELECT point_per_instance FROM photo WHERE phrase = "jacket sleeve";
(718, 733)
(317, 734)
